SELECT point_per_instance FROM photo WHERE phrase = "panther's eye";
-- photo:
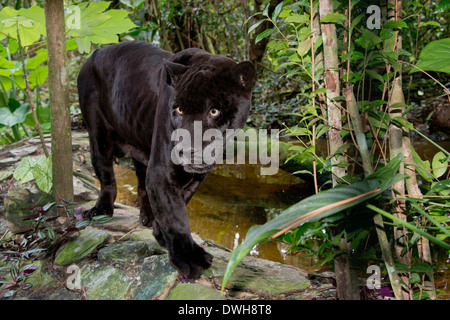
(179, 111)
(214, 112)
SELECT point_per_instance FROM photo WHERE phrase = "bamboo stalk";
(30, 99)
(355, 117)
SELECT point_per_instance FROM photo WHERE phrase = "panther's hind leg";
(102, 156)
(102, 142)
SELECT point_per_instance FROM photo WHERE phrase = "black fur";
(129, 94)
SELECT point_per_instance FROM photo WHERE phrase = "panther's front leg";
(171, 225)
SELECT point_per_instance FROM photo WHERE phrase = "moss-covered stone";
(156, 275)
(194, 291)
(19, 203)
(39, 279)
(128, 251)
(257, 275)
(87, 241)
(105, 283)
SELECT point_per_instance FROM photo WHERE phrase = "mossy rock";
(156, 275)
(129, 251)
(194, 291)
(18, 204)
(88, 240)
(105, 283)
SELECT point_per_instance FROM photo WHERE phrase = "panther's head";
(210, 94)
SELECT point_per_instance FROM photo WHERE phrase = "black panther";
(133, 95)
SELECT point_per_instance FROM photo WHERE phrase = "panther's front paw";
(190, 260)
(95, 211)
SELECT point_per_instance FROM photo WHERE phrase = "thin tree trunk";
(331, 63)
(59, 101)
(396, 108)
(346, 283)
(352, 108)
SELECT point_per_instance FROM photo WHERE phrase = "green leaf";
(314, 208)
(334, 18)
(435, 57)
(28, 24)
(42, 172)
(297, 18)
(414, 278)
(108, 31)
(420, 267)
(264, 34)
(98, 26)
(400, 121)
(368, 39)
(256, 25)
(304, 47)
(277, 11)
(24, 171)
(439, 164)
(386, 33)
(395, 24)
(10, 119)
(374, 75)
(422, 167)
(441, 187)
(51, 233)
(38, 76)
(38, 59)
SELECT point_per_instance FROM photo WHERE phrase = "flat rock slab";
(129, 252)
(257, 275)
(105, 282)
(157, 274)
(194, 291)
(87, 241)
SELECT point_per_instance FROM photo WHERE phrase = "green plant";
(39, 169)
(23, 56)
(17, 252)
(314, 208)
(371, 116)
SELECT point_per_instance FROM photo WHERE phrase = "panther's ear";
(246, 75)
(174, 71)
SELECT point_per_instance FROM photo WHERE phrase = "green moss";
(86, 242)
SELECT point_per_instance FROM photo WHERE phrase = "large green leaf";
(435, 57)
(439, 164)
(99, 26)
(314, 208)
(42, 172)
(28, 23)
(9, 118)
(24, 171)
(334, 18)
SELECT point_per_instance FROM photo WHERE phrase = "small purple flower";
(78, 213)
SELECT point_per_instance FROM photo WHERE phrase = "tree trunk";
(59, 101)
(356, 124)
(332, 84)
(396, 108)
(346, 283)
